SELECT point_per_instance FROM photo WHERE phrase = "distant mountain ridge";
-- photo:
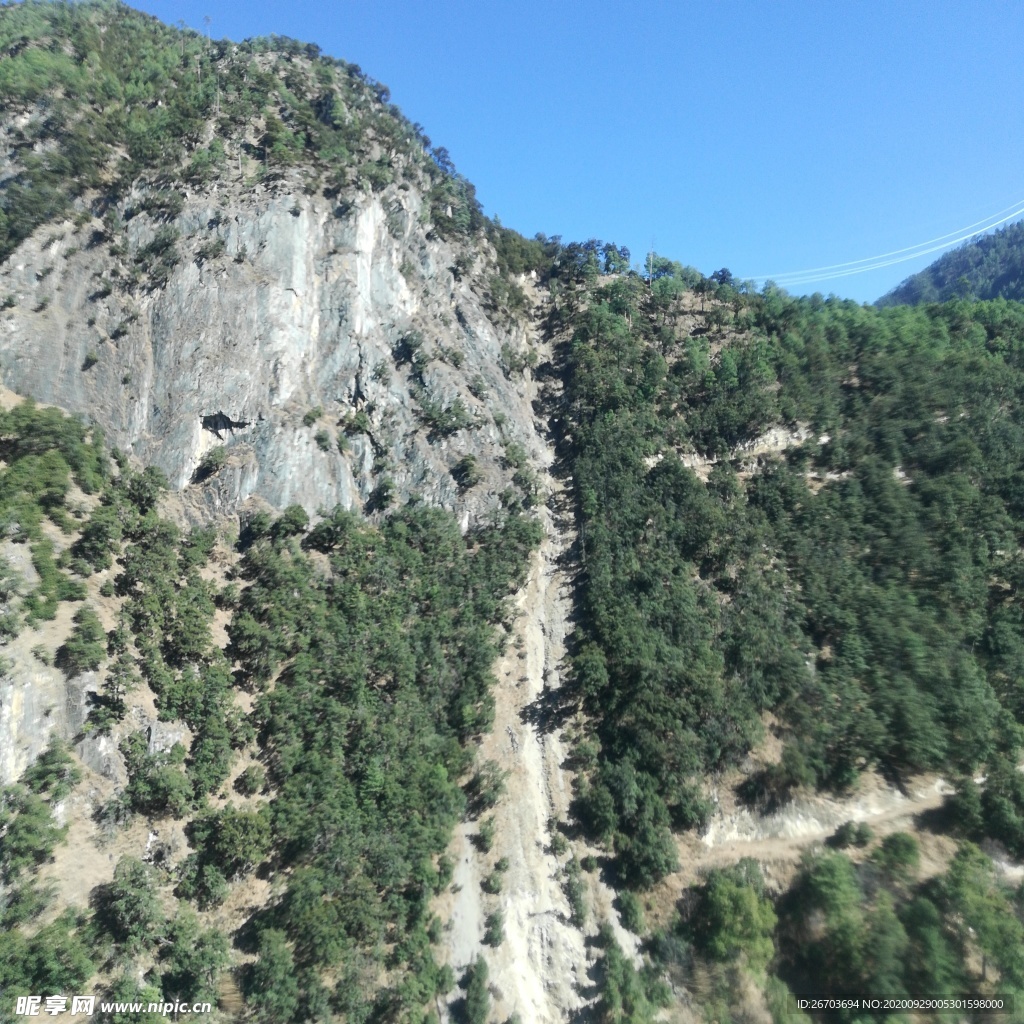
(990, 267)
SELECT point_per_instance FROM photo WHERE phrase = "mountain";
(988, 267)
(250, 230)
(405, 620)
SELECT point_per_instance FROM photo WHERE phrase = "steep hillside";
(801, 533)
(291, 713)
(989, 267)
(403, 620)
(254, 278)
(245, 246)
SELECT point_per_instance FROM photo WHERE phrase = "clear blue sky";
(765, 137)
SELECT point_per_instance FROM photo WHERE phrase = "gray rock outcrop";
(279, 305)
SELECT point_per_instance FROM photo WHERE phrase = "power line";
(793, 281)
(896, 252)
(796, 277)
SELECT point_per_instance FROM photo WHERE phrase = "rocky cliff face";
(286, 312)
(294, 327)
(37, 702)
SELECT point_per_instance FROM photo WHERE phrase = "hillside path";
(540, 970)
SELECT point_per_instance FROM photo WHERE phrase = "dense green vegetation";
(860, 585)
(369, 653)
(844, 928)
(115, 97)
(57, 956)
(990, 267)
(45, 454)
(858, 581)
(380, 673)
(626, 995)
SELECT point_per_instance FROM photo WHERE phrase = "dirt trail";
(817, 816)
(536, 970)
(540, 969)
(777, 840)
